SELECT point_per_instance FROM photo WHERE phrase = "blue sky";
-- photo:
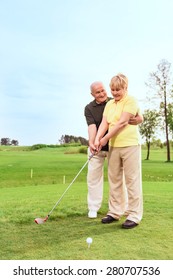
(51, 51)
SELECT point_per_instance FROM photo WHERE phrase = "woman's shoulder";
(130, 97)
(110, 101)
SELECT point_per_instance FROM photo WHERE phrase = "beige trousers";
(95, 180)
(130, 159)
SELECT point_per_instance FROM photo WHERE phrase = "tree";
(67, 139)
(160, 81)
(8, 142)
(5, 141)
(170, 118)
(83, 141)
(148, 127)
(14, 142)
(156, 143)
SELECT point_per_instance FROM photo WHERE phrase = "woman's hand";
(97, 145)
(103, 141)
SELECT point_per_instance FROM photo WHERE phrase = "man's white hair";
(95, 84)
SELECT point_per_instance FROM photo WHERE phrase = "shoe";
(92, 214)
(129, 224)
(108, 219)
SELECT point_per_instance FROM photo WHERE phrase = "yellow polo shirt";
(129, 136)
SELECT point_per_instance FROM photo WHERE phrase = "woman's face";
(117, 93)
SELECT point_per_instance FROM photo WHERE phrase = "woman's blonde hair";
(119, 81)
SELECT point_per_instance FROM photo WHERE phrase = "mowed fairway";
(31, 182)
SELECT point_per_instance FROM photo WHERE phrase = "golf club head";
(40, 221)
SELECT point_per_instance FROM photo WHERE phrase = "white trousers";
(95, 180)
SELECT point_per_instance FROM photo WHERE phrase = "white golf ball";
(89, 240)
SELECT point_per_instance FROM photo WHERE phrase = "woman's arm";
(123, 121)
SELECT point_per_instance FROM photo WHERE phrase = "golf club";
(43, 220)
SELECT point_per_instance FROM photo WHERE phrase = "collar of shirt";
(122, 99)
(103, 103)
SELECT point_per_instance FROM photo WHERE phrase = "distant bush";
(83, 150)
(38, 146)
(70, 145)
(53, 146)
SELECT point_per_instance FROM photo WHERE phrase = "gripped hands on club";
(100, 143)
(92, 148)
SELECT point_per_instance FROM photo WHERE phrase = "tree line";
(68, 139)
(7, 142)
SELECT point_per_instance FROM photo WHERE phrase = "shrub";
(38, 146)
(83, 150)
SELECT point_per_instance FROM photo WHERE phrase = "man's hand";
(136, 120)
(133, 121)
(92, 148)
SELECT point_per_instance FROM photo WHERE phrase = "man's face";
(99, 93)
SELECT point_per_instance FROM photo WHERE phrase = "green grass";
(63, 236)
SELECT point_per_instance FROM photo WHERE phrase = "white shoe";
(92, 214)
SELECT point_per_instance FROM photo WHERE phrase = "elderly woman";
(124, 151)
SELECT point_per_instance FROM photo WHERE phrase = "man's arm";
(92, 131)
(101, 131)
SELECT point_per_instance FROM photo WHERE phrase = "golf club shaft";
(70, 184)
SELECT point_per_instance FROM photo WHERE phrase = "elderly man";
(93, 114)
